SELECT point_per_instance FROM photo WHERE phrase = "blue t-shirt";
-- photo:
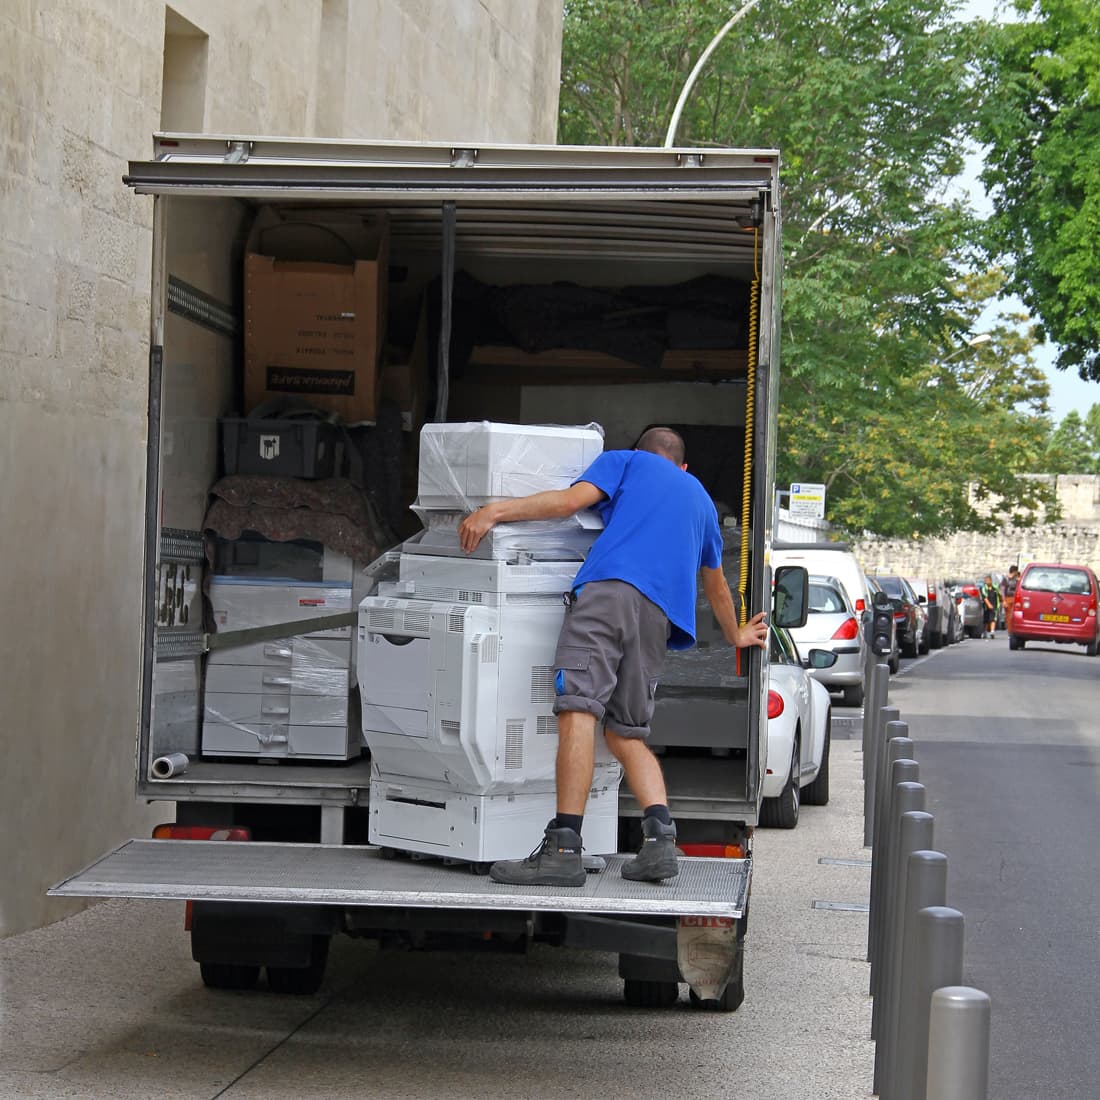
(660, 526)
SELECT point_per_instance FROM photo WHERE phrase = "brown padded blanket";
(331, 511)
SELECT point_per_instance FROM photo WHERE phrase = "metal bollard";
(958, 1044)
(932, 959)
(896, 748)
(908, 796)
(923, 884)
(874, 700)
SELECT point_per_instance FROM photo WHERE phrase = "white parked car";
(799, 715)
(832, 624)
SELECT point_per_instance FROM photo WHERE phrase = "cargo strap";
(231, 639)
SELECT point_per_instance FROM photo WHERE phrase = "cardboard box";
(405, 378)
(315, 311)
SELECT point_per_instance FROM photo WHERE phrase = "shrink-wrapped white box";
(463, 466)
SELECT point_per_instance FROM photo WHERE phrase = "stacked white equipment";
(455, 656)
(285, 699)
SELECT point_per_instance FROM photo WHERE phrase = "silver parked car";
(939, 605)
(833, 625)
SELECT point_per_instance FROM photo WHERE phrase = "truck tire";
(938, 639)
(229, 976)
(781, 812)
(301, 980)
(646, 994)
(817, 792)
(925, 643)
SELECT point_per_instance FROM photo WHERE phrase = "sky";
(1067, 391)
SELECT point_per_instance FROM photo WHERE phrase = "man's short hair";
(664, 442)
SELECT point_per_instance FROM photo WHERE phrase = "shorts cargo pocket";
(568, 661)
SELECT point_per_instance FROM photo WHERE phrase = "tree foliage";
(1041, 123)
(870, 104)
(1074, 446)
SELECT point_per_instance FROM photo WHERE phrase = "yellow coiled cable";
(750, 402)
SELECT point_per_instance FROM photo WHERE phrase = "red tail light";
(201, 832)
(861, 605)
(931, 595)
(775, 704)
(847, 630)
(714, 851)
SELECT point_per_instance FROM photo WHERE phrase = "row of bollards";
(931, 1033)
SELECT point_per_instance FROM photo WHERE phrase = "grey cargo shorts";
(609, 657)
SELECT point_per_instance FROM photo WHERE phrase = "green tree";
(1041, 124)
(1074, 446)
(870, 106)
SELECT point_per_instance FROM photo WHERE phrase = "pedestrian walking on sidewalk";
(1008, 594)
(991, 601)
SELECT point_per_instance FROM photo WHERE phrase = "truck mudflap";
(707, 951)
(345, 875)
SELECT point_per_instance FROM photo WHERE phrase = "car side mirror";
(791, 596)
(922, 599)
(821, 658)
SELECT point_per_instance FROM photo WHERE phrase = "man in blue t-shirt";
(633, 598)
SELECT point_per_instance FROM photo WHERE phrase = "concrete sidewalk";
(109, 1004)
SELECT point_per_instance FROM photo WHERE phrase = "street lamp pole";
(670, 137)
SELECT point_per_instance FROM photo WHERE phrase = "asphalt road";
(1009, 750)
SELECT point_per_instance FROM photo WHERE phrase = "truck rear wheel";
(229, 976)
(646, 994)
(301, 979)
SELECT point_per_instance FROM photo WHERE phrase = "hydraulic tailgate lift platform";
(346, 875)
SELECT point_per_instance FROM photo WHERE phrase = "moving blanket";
(331, 511)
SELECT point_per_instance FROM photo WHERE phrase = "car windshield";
(1070, 581)
(825, 599)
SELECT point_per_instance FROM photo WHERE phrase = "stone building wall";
(83, 85)
(1074, 538)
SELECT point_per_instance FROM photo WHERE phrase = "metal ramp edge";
(358, 876)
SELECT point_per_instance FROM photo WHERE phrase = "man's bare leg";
(657, 858)
(575, 761)
(558, 860)
(642, 769)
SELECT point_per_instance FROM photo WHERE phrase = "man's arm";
(552, 504)
(717, 592)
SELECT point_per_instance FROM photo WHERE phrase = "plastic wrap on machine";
(288, 696)
(464, 466)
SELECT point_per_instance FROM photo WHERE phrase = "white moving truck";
(269, 848)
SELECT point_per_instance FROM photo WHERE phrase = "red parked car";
(1056, 603)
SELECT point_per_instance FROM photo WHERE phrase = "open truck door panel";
(503, 217)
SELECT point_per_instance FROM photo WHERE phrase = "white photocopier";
(455, 655)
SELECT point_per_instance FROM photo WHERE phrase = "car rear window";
(825, 599)
(1075, 581)
(892, 587)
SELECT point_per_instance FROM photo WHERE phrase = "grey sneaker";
(656, 859)
(556, 861)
